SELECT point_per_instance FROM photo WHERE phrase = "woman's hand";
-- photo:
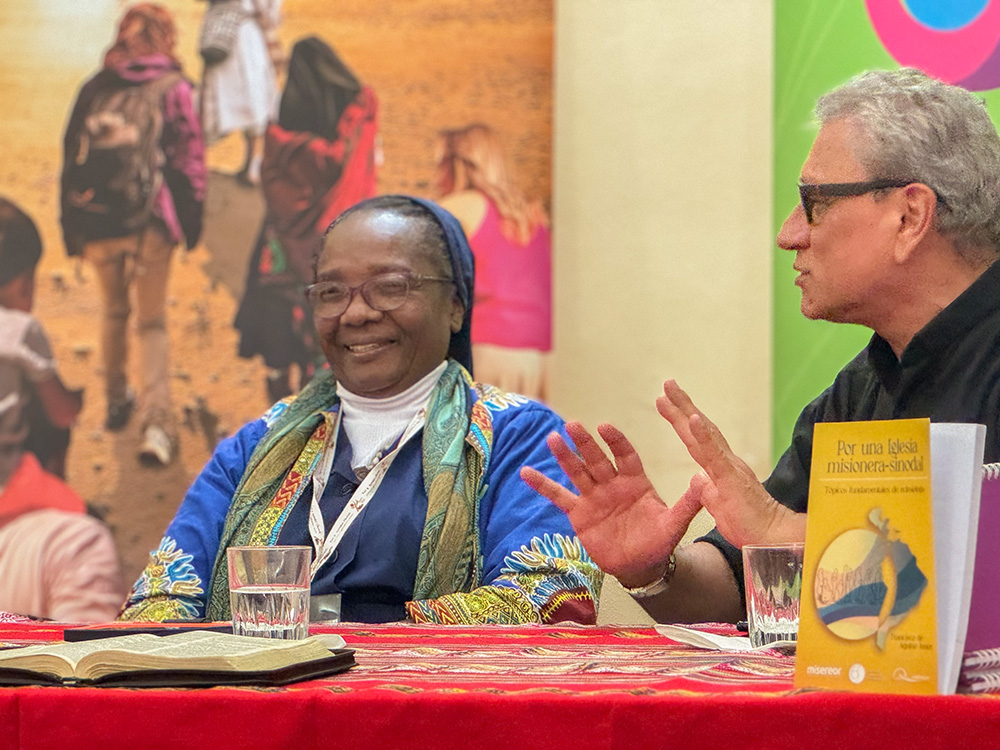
(621, 521)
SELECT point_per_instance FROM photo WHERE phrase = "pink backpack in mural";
(114, 161)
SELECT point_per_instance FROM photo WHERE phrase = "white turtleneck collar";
(374, 424)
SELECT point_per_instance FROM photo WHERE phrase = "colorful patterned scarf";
(455, 459)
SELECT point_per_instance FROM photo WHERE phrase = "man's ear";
(920, 204)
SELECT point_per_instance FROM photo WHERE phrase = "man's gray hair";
(915, 127)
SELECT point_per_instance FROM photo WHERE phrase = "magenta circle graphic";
(955, 49)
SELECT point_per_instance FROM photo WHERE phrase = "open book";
(196, 657)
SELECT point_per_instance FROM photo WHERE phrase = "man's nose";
(795, 232)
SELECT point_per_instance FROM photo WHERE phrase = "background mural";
(819, 45)
(434, 65)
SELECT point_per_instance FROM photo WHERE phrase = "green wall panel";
(819, 44)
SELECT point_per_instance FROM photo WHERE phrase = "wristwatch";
(656, 587)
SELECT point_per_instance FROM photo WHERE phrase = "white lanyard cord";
(324, 545)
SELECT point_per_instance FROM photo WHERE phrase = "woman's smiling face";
(379, 354)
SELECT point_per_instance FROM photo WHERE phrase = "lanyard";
(366, 490)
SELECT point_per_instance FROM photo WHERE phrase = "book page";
(61, 659)
(201, 650)
(956, 482)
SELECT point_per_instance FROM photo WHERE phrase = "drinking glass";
(269, 591)
(773, 578)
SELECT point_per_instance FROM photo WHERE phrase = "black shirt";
(949, 372)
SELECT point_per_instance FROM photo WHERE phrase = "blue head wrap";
(463, 271)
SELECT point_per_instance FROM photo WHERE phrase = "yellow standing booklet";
(869, 615)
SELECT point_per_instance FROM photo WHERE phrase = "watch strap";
(656, 587)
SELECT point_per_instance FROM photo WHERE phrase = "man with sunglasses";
(897, 230)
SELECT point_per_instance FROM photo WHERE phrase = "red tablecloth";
(501, 687)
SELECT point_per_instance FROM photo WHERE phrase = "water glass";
(269, 591)
(773, 578)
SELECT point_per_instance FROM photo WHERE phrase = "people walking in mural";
(512, 316)
(133, 184)
(55, 560)
(504, 78)
(319, 159)
(36, 408)
(239, 92)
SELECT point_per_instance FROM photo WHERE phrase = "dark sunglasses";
(810, 193)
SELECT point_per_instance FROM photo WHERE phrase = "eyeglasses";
(388, 291)
(810, 193)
